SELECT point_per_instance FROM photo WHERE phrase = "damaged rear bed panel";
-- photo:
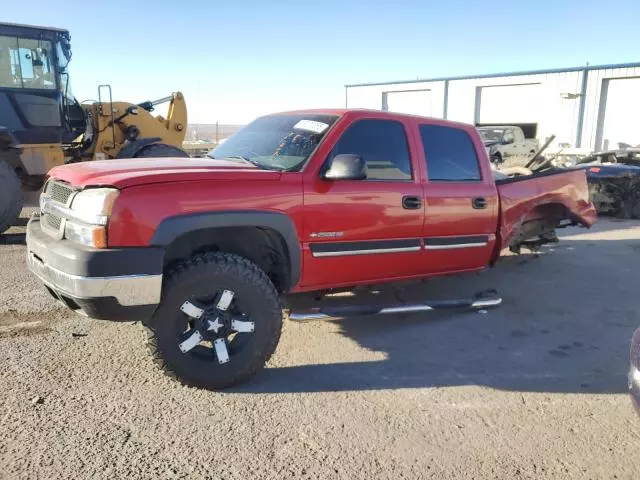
(550, 196)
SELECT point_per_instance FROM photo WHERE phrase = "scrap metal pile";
(614, 181)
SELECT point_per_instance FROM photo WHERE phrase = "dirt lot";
(534, 389)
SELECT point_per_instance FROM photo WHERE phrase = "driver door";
(363, 231)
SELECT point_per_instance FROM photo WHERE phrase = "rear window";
(450, 154)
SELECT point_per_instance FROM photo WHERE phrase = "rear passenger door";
(461, 200)
(357, 231)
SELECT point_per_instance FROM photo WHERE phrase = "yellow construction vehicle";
(42, 125)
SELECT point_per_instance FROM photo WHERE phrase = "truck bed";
(553, 195)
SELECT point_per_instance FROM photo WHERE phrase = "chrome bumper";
(129, 290)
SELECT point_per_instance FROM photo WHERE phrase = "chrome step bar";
(480, 301)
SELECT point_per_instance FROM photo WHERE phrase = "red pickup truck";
(202, 250)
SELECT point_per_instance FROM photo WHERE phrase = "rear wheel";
(10, 196)
(218, 323)
(161, 150)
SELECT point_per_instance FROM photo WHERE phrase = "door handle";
(409, 202)
(479, 203)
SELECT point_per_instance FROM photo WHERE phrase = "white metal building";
(594, 107)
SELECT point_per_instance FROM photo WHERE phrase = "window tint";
(383, 146)
(450, 154)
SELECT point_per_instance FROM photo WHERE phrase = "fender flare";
(173, 227)
(131, 149)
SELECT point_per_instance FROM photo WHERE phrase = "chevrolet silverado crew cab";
(202, 250)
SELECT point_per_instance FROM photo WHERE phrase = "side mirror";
(346, 167)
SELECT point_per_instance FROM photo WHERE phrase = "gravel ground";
(533, 389)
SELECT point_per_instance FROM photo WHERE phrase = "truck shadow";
(564, 327)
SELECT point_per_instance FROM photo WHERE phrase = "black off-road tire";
(158, 150)
(209, 271)
(10, 196)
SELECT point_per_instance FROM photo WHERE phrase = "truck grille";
(58, 191)
(52, 221)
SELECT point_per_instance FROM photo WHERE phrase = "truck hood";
(143, 171)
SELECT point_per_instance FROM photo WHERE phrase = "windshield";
(26, 63)
(491, 134)
(277, 142)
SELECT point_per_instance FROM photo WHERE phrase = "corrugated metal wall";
(555, 109)
(553, 113)
(596, 104)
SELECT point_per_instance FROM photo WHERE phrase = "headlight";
(90, 235)
(94, 205)
(88, 216)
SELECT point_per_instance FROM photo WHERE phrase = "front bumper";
(117, 284)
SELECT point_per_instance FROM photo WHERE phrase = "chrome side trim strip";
(454, 245)
(365, 252)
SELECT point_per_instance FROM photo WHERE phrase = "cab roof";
(364, 112)
(33, 27)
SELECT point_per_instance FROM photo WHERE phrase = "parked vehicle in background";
(506, 141)
(201, 250)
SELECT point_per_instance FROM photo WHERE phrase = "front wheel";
(218, 322)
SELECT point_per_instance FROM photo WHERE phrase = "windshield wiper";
(262, 165)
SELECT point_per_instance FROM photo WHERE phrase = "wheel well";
(542, 220)
(263, 246)
(552, 211)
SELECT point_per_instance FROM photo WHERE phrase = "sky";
(235, 60)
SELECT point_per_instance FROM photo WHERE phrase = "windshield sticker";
(311, 126)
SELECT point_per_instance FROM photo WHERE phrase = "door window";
(509, 137)
(383, 146)
(450, 154)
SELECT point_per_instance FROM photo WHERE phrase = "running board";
(480, 301)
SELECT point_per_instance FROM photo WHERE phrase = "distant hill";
(210, 132)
